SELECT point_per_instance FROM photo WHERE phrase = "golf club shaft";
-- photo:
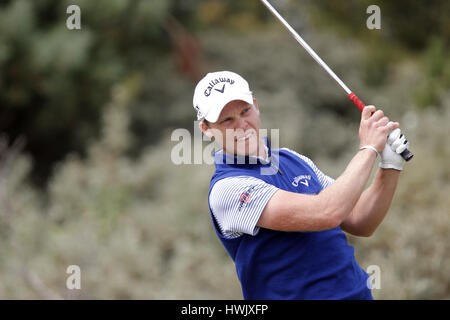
(406, 154)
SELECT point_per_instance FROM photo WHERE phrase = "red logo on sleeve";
(245, 197)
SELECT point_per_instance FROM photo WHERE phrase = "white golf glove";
(390, 156)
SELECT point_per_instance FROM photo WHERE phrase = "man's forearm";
(341, 197)
(373, 204)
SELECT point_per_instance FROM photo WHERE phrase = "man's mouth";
(246, 137)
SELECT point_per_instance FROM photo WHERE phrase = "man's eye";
(246, 110)
(226, 120)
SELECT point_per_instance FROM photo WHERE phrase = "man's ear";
(255, 103)
(205, 129)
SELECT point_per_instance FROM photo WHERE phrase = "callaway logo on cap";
(215, 90)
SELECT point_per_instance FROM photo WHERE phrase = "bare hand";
(375, 128)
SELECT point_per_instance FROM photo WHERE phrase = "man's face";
(237, 129)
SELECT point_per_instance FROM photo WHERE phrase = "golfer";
(278, 216)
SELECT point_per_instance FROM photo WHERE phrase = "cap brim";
(214, 114)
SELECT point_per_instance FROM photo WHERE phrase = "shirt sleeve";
(324, 180)
(237, 204)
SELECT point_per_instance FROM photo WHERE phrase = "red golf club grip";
(358, 103)
(406, 154)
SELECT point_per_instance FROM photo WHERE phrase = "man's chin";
(244, 149)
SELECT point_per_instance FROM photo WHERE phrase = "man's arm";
(373, 204)
(288, 211)
(371, 209)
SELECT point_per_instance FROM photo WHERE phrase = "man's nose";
(241, 124)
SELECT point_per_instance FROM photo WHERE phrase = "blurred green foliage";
(96, 108)
(436, 71)
(55, 82)
(413, 28)
(403, 23)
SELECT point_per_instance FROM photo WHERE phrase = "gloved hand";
(390, 156)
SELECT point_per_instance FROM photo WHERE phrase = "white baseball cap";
(215, 90)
